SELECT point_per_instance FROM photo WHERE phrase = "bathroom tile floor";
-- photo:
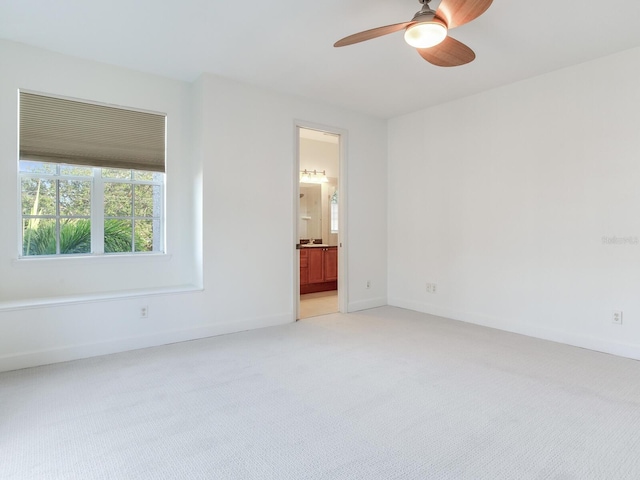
(321, 303)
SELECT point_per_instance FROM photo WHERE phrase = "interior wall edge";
(367, 304)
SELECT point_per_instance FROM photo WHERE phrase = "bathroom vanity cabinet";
(318, 269)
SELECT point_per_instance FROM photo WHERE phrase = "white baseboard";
(544, 333)
(75, 352)
(367, 304)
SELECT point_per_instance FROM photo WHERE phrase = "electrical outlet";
(617, 317)
(144, 312)
(432, 287)
(368, 284)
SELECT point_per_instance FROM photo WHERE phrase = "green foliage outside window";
(52, 204)
(75, 238)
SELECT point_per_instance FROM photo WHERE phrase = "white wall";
(316, 155)
(252, 137)
(230, 194)
(503, 200)
(41, 71)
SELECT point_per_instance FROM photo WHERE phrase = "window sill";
(92, 298)
(88, 259)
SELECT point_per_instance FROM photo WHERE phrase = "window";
(74, 209)
(91, 178)
(334, 212)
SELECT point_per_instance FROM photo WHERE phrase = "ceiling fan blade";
(459, 12)
(369, 34)
(449, 53)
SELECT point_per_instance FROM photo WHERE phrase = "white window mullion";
(58, 226)
(133, 216)
(97, 212)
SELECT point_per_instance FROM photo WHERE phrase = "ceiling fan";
(428, 31)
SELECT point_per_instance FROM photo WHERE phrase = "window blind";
(68, 131)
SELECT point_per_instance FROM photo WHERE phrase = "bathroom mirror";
(310, 224)
(317, 202)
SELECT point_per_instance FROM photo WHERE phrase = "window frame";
(96, 211)
(334, 216)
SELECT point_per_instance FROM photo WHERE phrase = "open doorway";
(318, 223)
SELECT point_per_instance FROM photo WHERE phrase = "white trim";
(87, 350)
(19, 230)
(296, 222)
(343, 277)
(31, 303)
(569, 338)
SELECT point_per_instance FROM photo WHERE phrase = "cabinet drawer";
(304, 258)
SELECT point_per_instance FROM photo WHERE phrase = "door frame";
(342, 214)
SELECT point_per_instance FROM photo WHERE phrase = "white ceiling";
(287, 45)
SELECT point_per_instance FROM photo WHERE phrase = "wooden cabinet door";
(316, 267)
(304, 267)
(331, 264)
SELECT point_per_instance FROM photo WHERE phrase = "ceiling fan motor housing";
(426, 14)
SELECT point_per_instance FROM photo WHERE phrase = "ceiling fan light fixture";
(425, 34)
(427, 31)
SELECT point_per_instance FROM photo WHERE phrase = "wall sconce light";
(313, 176)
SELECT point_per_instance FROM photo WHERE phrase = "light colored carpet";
(383, 394)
